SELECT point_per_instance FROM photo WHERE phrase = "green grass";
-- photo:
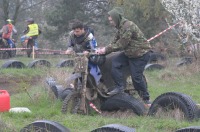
(43, 106)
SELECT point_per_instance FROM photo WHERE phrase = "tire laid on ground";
(156, 57)
(173, 100)
(185, 61)
(44, 126)
(63, 94)
(198, 113)
(57, 90)
(189, 129)
(66, 63)
(50, 81)
(60, 92)
(114, 128)
(123, 101)
(39, 63)
(13, 64)
(151, 67)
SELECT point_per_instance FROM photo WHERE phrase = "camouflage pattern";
(81, 64)
(129, 37)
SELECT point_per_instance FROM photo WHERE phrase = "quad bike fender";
(95, 72)
(73, 77)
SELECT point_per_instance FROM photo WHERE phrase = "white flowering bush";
(187, 11)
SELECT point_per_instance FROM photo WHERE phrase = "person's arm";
(120, 43)
(70, 45)
(26, 30)
(39, 30)
(14, 30)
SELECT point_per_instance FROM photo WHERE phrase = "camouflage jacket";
(129, 39)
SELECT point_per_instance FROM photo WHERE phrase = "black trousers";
(137, 66)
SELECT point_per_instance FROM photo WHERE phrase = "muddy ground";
(14, 85)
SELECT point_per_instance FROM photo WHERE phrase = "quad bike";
(5, 54)
(28, 43)
(90, 83)
(86, 82)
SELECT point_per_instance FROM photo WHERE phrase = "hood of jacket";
(117, 15)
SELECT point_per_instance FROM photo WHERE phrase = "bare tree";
(12, 8)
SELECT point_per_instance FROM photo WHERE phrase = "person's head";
(78, 28)
(115, 16)
(30, 21)
(9, 21)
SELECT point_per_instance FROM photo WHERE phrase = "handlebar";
(90, 53)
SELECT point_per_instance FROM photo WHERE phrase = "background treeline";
(55, 18)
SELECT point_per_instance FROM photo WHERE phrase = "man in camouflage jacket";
(135, 52)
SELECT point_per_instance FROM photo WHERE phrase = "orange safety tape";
(157, 35)
(95, 108)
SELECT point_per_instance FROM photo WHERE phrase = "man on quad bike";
(135, 52)
(81, 39)
(7, 31)
(32, 31)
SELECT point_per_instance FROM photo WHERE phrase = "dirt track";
(14, 85)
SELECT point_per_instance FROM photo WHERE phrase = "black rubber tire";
(185, 61)
(44, 126)
(114, 128)
(66, 63)
(39, 63)
(71, 103)
(5, 55)
(156, 57)
(198, 113)
(123, 101)
(189, 129)
(151, 67)
(51, 81)
(63, 94)
(13, 64)
(60, 92)
(12, 53)
(173, 100)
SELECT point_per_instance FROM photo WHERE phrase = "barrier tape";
(40, 51)
(13, 48)
(30, 48)
(95, 108)
(157, 35)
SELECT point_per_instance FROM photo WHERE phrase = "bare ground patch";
(15, 85)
